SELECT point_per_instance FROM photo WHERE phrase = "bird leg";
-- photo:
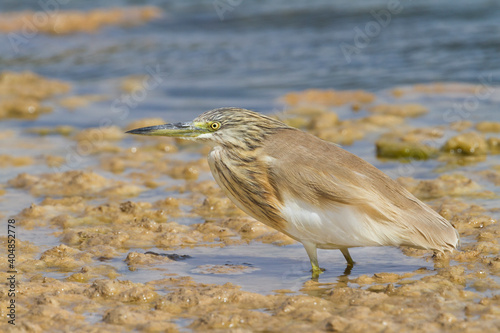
(347, 256)
(313, 257)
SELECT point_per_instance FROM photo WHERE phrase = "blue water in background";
(250, 57)
(259, 50)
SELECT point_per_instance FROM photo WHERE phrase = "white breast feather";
(335, 226)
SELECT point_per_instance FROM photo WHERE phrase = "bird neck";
(242, 175)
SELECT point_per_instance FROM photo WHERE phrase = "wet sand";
(140, 237)
(65, 22)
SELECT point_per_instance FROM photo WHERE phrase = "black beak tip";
(134, 131)
(142, 130)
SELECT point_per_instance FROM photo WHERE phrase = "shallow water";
(251, 58)
(279, 268)
(260, 51)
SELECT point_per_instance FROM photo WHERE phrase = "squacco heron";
(311, 190)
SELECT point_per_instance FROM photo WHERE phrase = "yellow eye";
(214, 126)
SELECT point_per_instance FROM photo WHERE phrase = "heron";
(312, 190)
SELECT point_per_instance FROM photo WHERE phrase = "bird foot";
(316, 271)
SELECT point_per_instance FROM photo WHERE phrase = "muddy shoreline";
(150, 206)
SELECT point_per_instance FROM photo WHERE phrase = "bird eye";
(214, 126)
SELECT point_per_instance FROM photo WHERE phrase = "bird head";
(224, 126)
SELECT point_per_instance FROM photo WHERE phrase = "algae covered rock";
(399, 149)
(470, 143)
(400, 110)
(494, 145)
(72, 183)
(398, 145)
(488, 126)
(414, 143)
(445, 185)
(21, 94)
(324, 121)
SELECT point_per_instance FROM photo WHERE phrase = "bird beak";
(179, 130)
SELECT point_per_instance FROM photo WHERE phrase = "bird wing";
(340, 193)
